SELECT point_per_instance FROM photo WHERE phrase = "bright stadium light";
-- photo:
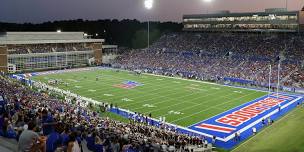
(207, 2)
(148, 4)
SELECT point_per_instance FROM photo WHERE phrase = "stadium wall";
(3, 59)
(97, 47)
(301, 20)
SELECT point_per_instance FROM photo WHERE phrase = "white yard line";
(204, 82)
(218, 138)
(172, 99)
(142, 101)
(114, 98)
(210, 108)
(110, 85)
(153, 84)
(105, 68)
(190, 107)
(209, 94)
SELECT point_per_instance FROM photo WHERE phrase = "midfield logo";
(128, 85)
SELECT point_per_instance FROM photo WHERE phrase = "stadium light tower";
(207, 1)
(148, 6)
(286, 5)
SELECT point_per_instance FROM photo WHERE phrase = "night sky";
(37, 11)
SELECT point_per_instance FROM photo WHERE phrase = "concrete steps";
(8, 145)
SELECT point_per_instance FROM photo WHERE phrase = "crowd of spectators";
(18, 50)
(41, 122)
(218, 55)
(47, 48)
(40, 48)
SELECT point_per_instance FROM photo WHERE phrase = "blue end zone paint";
(224, 140)
(245, 128)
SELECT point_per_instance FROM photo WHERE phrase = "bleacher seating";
(217, 55)
(61, 122)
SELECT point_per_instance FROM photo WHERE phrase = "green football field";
(182, 102)
(285, 135)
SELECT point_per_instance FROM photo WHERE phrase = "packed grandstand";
(205, 56)
(211, 56)
(46, 48)
(68, 121)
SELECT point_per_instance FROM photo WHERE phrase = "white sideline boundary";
(211, 108)
(223, 85)
(156, 75)
(41, 84)
(203, 82)
(265, 117)
(252, 137)
(173, 125)
(184, 128)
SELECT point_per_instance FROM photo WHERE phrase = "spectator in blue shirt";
(54, 139)
(47, 122)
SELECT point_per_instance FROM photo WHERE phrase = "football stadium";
(220, 81)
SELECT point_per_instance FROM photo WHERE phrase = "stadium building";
(29, 51)
(248, 71)
(275, 19)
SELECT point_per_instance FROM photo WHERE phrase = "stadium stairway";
(3, 149)
(289, 74)
(8, 145)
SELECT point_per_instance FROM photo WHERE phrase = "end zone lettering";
(238, 117)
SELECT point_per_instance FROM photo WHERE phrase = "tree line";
(124, 33)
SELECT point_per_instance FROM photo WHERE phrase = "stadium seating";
(217, 55)
(207, 56)
(60, 122)
(46, 48)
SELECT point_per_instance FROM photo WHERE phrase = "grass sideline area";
(182, 102)
(285, 135)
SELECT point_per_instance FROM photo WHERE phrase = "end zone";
(244, 117)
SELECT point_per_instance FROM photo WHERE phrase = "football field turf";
(182, 102)
(285, 135)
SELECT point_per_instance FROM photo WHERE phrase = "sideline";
(267, 128)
